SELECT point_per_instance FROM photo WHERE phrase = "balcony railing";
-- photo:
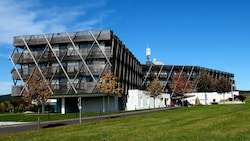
(95, 69)
(16, 90)
(84, 87)
(49, 56)
(62, 37)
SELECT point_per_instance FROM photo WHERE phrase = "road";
(6, 129)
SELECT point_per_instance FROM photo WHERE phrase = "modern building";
(155, 69)
(72, 63)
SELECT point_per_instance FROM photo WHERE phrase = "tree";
(37, 90)
(223, 85)
(9, 106)
(181, 85)
(109, 84)
(155, 88)
(2, 107)
(206, 83)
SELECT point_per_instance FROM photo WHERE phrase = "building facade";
(72, 64)
(164, 73)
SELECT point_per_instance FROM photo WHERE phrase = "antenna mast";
(148, 53)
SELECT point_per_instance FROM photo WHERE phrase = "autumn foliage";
(206, 83)
(37, 89)
(155, 88)
(181, 84)
(109, 84)
(223, 85)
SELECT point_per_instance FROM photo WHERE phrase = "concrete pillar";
(63, 106)
(103, 104)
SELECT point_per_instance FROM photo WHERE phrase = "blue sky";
(208, 33)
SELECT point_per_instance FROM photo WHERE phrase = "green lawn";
(21, 117)
(215, 122)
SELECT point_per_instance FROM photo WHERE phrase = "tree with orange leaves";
(155, 88)
(109, 84)
(37, 89)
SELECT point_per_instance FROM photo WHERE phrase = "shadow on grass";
(54, 125)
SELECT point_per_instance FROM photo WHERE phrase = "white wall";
(137, 100)
(208, 97)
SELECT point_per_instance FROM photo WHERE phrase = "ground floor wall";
(207, 98)
(89, 104)
(138, 100)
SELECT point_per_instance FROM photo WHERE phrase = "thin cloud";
(29, 17)
(21, 18)
(5, 87)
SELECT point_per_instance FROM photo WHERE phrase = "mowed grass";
(215, 122)
(22, 117)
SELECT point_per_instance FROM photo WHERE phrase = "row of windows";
(65, 64)
(65, 46)
(80, 80)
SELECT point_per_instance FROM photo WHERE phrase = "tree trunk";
(154, 102)
(182, 96)
(108, 103)
(43, 108)
(103, 104)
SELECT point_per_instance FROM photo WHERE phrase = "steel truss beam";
(160, 71)
(177, 81)
(36, 63)
(84, 58)
(169, 75)
(147, 74)
(189, 76)
(100, 47)
(59, 62)
(19, 75)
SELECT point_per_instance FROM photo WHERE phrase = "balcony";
(94, 69)
(26, 57)
(57, 38)
(68, 55)
(85, 87)
(16, 90)
(95, 52)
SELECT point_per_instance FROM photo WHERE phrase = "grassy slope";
(217, 122)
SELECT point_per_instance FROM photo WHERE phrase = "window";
(63, 81)
(99, 61)
(84, 45)
(95, 45)
(64, 64)
(37, 48)
(32, 65)
(43, 65)
(89, 79)
(63, 46)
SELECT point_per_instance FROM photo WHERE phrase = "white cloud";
(5, 87)
(29, 17)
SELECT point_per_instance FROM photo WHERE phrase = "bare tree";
(223, 85)
(206, 83)
(109, 84)
(155, 88)
(181, 85)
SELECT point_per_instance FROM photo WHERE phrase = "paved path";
(12, 127)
